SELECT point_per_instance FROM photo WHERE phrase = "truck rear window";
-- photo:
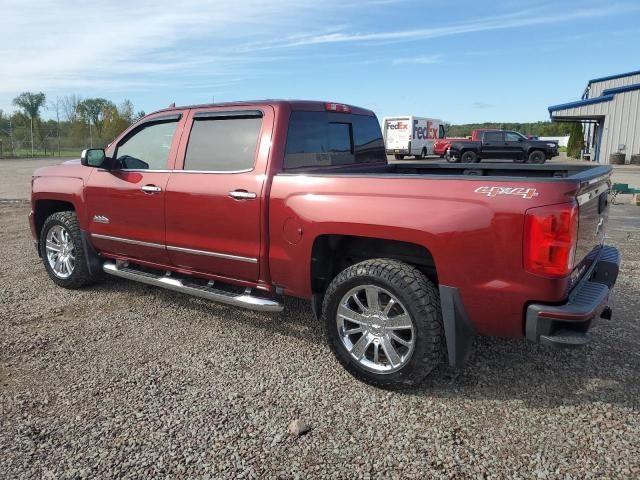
(326, 139)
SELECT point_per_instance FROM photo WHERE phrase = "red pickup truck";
(442, 145)
(244, 203)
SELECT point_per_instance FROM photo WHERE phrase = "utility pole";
(58, 120)
(32, 137)
(11, 135)
(90, 135)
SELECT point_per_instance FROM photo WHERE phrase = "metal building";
(610, 113)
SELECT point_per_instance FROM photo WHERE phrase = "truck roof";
(308, 105)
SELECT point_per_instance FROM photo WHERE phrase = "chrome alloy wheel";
(376, 329)
(60, 251)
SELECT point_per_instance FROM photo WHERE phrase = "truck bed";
(561, 172)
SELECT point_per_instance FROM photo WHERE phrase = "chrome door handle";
(150, 188)
(242, 195)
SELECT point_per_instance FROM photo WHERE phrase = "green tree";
(576, 140)
(94, 110)
(30, 103)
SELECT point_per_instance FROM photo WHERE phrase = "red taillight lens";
(337, 107)
(550, 238)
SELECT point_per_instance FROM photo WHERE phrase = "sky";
(460, 61)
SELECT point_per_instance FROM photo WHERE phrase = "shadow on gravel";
(498, 369)
(504, 369)
(295, 321)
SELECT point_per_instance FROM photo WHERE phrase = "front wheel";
(537, 156)
(63, 252)
(383, 323)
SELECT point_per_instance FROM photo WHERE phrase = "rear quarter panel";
(475, 239)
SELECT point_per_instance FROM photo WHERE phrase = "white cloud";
(522, 18)
(75, 46)
(59, 45)
(423, 60)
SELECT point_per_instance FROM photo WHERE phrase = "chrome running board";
(245, 300)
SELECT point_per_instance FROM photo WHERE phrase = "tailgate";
(593, 205)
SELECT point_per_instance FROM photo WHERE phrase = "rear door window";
(493, 137)
(317, 139)
(223, 142)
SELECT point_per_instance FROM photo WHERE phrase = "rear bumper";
(587, 302)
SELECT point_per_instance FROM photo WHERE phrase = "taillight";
(550, 238)
(337, 107)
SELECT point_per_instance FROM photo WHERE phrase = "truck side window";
(317, 139)
(148, 147)
(512, 137)
(441, 133)
(223, 144)
(492, 137)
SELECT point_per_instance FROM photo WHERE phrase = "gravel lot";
(126, 380)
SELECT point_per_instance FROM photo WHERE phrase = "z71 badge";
(527, 193)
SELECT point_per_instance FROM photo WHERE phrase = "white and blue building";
(610, 113)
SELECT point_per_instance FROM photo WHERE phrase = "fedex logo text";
(493, 191)
(424, 133)
(398, 126)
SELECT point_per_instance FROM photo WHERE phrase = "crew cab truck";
(411, 136)
(244, 203)
(500, 144)
(442, 145)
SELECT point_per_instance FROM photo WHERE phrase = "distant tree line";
(538, 129)
(76, 123)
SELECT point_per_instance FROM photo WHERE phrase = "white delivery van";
(405, 136)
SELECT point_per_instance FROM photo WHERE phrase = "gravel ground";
(126, 380)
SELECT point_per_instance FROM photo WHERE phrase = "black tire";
(537, 157)
(81, 275)
(450, 158)
(419, 297)
(469, 157)
(399, 157)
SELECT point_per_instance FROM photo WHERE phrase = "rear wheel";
(383, 323)
(399, 157)
(537, 156)
(469, 157)
(63, 252)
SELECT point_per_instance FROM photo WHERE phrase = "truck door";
(493, 145)
(215, 194)
(126, 205)
(514, 145)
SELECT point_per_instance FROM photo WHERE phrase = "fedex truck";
(406, 136)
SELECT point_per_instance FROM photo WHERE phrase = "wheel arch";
(45, 207)
(534, 149)
(332, 253)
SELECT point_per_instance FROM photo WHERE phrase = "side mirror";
(520, 139)
(92, 157)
